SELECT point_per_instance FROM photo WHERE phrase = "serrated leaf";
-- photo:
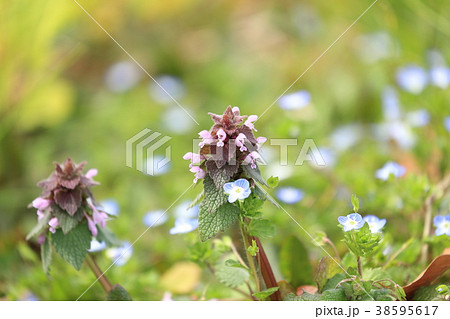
(66, 221)
(273, 181)
(334, 295)
(73, 246)
(118, 293)
(40, 226)
(232, 276)
(294, 262)
(234, 263)
(46, 255)
(210, 224)
(355, 203)
(261, 295)
(255, 174)
(107, 236)
(214, 197)
(262, 228)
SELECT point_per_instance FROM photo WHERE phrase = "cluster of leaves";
(362, 242)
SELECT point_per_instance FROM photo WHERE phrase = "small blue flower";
(290, 195)
(175, 120)
(418, 118)
(122, 76)
(390, 168)
(172, 85)
(375, 224)
(110, 206)
(184, 225)
(96, 246)
(447, 123)
(352, 221)
(440, 76)
(239, 189)
(120, 255)
(294, 101)
(412, 78)
(442, 224)
(182, 210)
(155, 218)
(391, 105)
(344, 137)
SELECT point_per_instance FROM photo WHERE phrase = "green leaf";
(211, 223)
(255, 174)
(107, 236)
(334, 295)
(273, 181)
(262, 228)
(326, 270)
(214, 197)
(253, 249)
(232, 276)
(73, 246)
(334, 281)
(294, 262)
(355, 203)
(46, 255)
(66, 221)
(118, 293)
(261, 193)
(261, 295)
(41, 225)
(234, 263)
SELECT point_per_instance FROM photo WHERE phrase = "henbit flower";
(155, 218)
(251, 158)
(91, 173)
(447, 123)
(249, 122)
(96, 246)
(91, 225)
(221, 135)
(375, 224)
(184, 225)
(296, 100)
(99, 218)
(390, 168)
(193, 157)
(240, 142)
(53, 223)
(120, 255)
(351, 221)
(199, 173)
(239, 189)
(207, 138)
(41, 203)
(40, 215)
(442, 224)
(41, 239)
(290, 195)
(412, 78)
(236, 110)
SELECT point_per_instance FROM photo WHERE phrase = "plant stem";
(251, 262)
(358, 260)
(266, 271)
(98, 273)
(329, 242)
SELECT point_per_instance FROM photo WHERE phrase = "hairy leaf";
(66, 221)
(232, 276)
(261, 295)
(262, 228)
(118, 293)
(210, 224)
(46, 255)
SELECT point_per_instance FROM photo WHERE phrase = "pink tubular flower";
(260, 140)
(249, 122)
(194, 158)
(207, 138)
(222, 136)
(240, 140)
(252, 158)
(41, 203)
(236, 110)
(91, 225)
(91, 173)
(199, 173)
(53, 223)
(41, 239)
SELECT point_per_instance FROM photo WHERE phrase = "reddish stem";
(266, 271)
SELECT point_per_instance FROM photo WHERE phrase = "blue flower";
(344, 137)
(375, 224)
(391, 104)
(239, 189)
(182, 210)
(290, 195)
(447, 123)
(412, 78)
(155, 218)
(418, 118)
(184, 225)
(110, 206)
(294, 101)
(122, 76)
(398, 131)
(96, 246)
(390, 168)
(120, 255)
(352, 221)
(442, 224)
(171, 85)
(440, 76)
(175, 120)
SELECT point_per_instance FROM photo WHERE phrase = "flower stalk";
(101, 277)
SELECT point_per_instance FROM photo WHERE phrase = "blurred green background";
(67, 90)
